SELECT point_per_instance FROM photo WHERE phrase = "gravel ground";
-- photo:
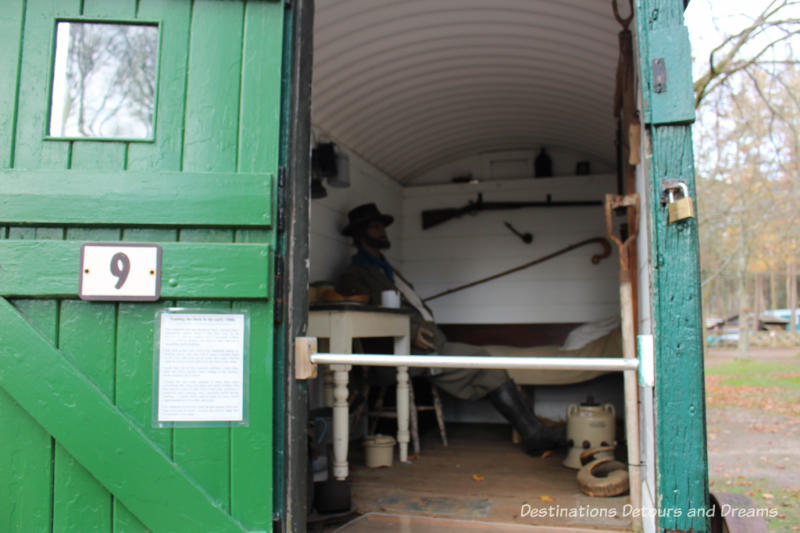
(754, 448)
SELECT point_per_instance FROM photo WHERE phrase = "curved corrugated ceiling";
(410, 85)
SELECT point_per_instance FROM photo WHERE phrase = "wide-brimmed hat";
(363, 214)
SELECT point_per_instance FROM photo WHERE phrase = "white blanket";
(609, 345)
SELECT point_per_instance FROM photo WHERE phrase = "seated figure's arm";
(358, 279)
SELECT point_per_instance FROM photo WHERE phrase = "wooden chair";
(414, 410)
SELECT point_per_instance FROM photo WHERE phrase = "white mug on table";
(390, 299)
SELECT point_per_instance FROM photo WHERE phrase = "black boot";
(536, 438)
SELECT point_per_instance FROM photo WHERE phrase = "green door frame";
(291, 483)
(681, 456)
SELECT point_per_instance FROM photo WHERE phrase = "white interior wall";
(568, 288)
(565, 289)
(331, 251)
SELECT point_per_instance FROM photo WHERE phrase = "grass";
(785, 502)
(763, 374)
(771, 387)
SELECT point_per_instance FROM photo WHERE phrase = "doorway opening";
(421, 107)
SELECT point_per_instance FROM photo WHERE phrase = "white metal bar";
(606, 364)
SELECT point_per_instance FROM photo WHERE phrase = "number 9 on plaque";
(120, 272)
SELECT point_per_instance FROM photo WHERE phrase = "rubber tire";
(603, 478)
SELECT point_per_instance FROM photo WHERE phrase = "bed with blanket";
(607, 345)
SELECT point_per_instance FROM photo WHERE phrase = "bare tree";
(765, 43)
(748, 181)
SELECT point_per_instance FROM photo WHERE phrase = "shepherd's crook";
(595, 260)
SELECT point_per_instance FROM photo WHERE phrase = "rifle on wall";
(434, 217)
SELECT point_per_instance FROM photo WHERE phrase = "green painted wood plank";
(25, 470)
(261, 87)
(166, 152)
(96, 155)
(676, 103)
(205, 452)
(212, 106)
(26, 448)
(134, 387)
(680, 397)
(135, 198)
(80, 503)
(118, 9)
(251, 446)
(682, 476)
(134, 382)
(31, 151)
(11, 16)
(43, 233)
(147, 481)
(125, 521)
(50, 233)
(86, 334)
(20, 232)
(189, 270)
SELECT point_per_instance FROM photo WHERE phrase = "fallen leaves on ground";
(767, 399)
(545, 498)
(476, 477)
(547, 454)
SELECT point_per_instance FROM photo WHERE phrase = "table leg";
(341, 421)
(402, 346)
(402, 412)
(327, 386)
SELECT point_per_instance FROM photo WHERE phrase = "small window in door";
(104, 81)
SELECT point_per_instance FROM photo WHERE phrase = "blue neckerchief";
(364, 258)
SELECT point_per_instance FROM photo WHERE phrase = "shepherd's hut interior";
(425, 106)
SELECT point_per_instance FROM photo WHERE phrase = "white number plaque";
(120, 272)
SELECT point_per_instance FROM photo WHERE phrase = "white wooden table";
(341, 324)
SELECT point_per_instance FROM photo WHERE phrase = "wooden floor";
(480, 477)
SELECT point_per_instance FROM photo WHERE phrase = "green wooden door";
(79, 451)
(668, 98)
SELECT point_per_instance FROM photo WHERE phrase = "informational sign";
(120, 272)
(201, 367)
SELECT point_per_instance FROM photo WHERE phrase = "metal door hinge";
(281, 199)
(278, 292)
(659, 75)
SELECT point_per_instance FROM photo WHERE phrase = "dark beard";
(380, 244)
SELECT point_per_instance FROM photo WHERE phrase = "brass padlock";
(680, 209)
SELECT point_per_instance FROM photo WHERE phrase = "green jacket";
(372, 280)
